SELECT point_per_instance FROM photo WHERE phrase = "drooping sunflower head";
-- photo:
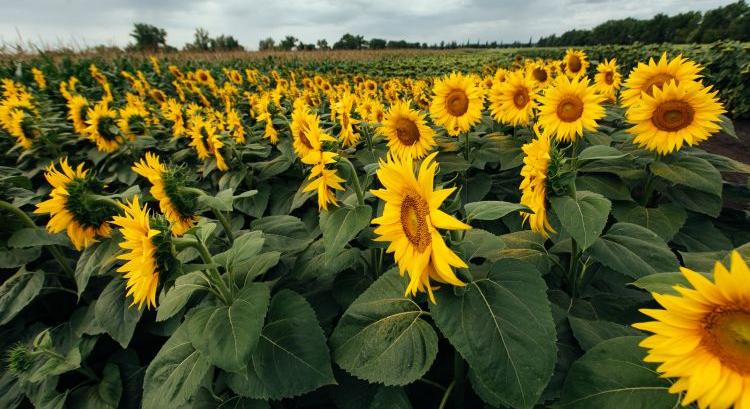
(607, 79)
(78, 105)
(148, 253)
(702, 336)
(576, 63)
(514, 100)
(457, 104)
(132, 120)
(535, 173)
(410, 219)
(568, 107)
(676, 114)
(167, 186)
(645, 78)
(102, 127)
(406, 131)
(20, 124)
(172, 112)
(71, 208)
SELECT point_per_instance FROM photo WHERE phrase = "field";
(516, 228)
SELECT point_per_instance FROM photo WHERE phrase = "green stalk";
(459, 377)
(467, 151)
(225, 293)
(224, 223)
(355, 181)
(447, 394)
(368, 138)
(54, 249)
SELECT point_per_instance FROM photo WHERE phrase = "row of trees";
(152, 39)
(357, 42)
(728, 22)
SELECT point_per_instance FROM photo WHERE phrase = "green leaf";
(589, 333)
(689, 171)
(291, 358)
(613, 375)
(283, 233)
(18, 291)
(665, 220)
(13, 258)
(388, 397)
(35, 237)
(243, 250)
(584, 217)
(727, 126)
(115, 314)
(478, 243)
(96, 259)
(695, 200)
(382, 338)
(609, 186)
(600, 152)
(634, 251)
(491, 210)
(222, 201)
(175, 374)
(105, 395)
(258, 265)
(175, 298)
(700, 234)
(662, 283)
(227, 335)
(341, 225)
(502, 326)
(525, 245)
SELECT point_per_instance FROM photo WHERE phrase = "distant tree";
(148, 37)
(201, 41)
(266, 44)
(225, 43)
(377, 43)
(323, 44)
(288, 43)
(349, 42)
(306, 47)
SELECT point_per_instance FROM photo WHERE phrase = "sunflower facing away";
(457, 104)
(102, 127)
(140, 241)
(576, 63)
(568, 107)
(410, 220)
(406, 131)
(702, 337)
(647, 77)
(534, 184)
(677, 114)
(69, 207)
(77, 107)
(607, 79)
(165, 186)
(323, 180)
(513, 102)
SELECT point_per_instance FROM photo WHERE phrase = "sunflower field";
(539, 230)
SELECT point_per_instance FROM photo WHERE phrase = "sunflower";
(344, 106)
(457, 105)
(41, 82)
(537, 155)
(165, 187)
(78, 105)
(132, 121)
(647, 77)
(676, 114)
(70, 208)
(540, 74)
(200, 132)
(701, 336)
(568, 107)
(102, 127)
(410, 220)
(576, 63)
(172, 112)
(513, 101)
(322, 180)
(406, 131)
(142, 267)
(21, 127)
(371, 87)
(215, 144)
(607, 79)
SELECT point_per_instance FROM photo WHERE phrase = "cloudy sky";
(90, 22)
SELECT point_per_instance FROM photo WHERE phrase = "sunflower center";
(457, 102)
(570, 109)
(406, 131)
(657, 81)
(727, 336)
(574, 63)
(414, 212)
(671, 116)
(609, 77)
(303, 138)
(540, 74)
(521, 98)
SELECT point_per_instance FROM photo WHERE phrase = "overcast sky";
(87, 22)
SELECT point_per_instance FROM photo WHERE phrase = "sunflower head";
(406, 131)
(607, 79)
(576, 63)
(568, 107)
(676, 114)
(19, 359)
(457, 104)
(102, 127)
(514, 100)
(701, 337)
(645, 78)
(536, 173)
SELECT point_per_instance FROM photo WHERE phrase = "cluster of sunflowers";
(665, 103)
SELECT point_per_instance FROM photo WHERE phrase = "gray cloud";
(89, 22)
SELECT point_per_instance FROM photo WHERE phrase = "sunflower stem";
(459, 377)
(648, 190)
(368, 138)
(54, 249)
(467, 150)
(225, 224)
(223, 291)
(355, 182)
(447, 394)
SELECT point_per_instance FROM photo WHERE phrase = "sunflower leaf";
(584, 217)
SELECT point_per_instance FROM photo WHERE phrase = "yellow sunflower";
(568, 107)
(540, 74)
(513, 101)
(102, 127)
(215, 144)
(576, 63)
(69, 208)
(702, 337)
(537, 155)
(676, 114)
(41, 82)
(323, 180)
(165, 185)
(406, 131)
(77, 107)
(141, 268)
(132, 121)
(20, 127)
(344, 106)
(457, 104)
(645, 77)
(607, 79)
(172, 112)
(410, 220)
(200, 132)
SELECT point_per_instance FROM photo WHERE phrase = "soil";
(737, 149)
